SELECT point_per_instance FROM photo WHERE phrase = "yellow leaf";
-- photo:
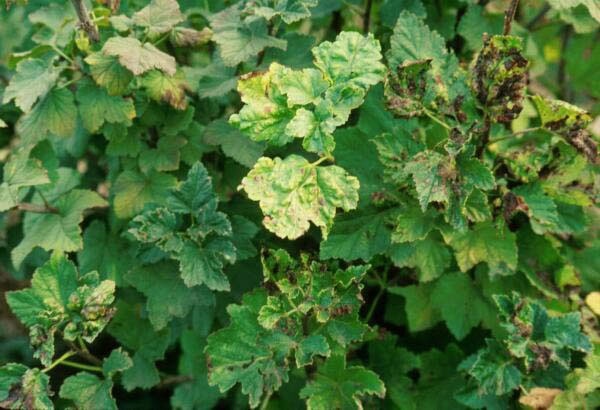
(539, 398)
(593, 301)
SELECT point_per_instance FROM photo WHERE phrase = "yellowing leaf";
(133, 190)
(539, 398)
(293, 192)
(96, 107)
(56, 113)
(160, 16)
(109, 73)
(352, 58)
(137, 57)
(593, 301)
(58, 230)
(167, 88)
(34, 79)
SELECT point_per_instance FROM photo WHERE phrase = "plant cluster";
(317, 204)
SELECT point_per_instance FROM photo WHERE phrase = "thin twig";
(59, 361)
(40, 209)
(172, 380)
(84, 21)
(509, 16)
(114, 5)
(562, 74)
(383, 284)
(82, 366)
(85, 354)
(367, 18)
(538, 17)
(265, 401)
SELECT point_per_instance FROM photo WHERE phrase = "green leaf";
(57, 22)
(167, 296)
(430, 256)
(103, 251)
(355, 154)
(460, 303)
(412, 224)
(109, 73)
(158, 17)
(541, 209)
(20, 171)
(165, 156)
(535, 337)
(133, 190)
(137, 57)
(134, 331)
(310, 347)
(565, 332)
(358, 236)
(205, 265)
(240, 39)
(246, 353)
(495, 245)
(420, 312)
(96, 107)
(476, 207)
(290, 11)
(312, 308)
(204, 247)
(214, 80)
(55, 113)
(196, 394)
(233, 143)
(293, 192)
(33, 79)
(591, 5)
(426, 169)
(493, 370)
(23, 388)
(337, 386)
(10, 375)
(116, 362)
(475, 174)
(333, 299)
(412, 40)
(59, 299)
(475, 22)
(352, 58)
(243, 232)
(438, 381)
(88, 391)
(58, 230)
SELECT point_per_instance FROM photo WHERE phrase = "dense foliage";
(318, 204)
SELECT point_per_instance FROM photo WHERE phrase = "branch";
(538, 17)
(114, 5)
(85, 354)
(509, 16)
(562, 73)
(40, 209)
(84, 21)
(168, 381)
(367, 18)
